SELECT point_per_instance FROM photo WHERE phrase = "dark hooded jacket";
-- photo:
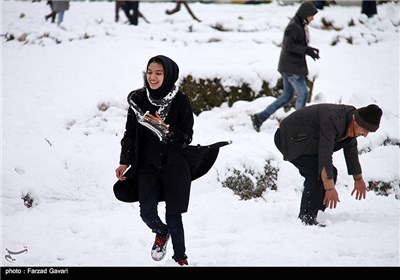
(294, 45)
(318, 130)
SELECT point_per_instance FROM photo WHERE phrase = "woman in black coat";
(159, 123)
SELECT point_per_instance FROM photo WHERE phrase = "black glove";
(313, 52)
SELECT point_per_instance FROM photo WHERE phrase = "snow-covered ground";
(58, 147)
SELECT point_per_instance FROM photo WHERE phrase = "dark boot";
(310, 220)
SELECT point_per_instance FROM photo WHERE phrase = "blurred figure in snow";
(178, 8)
(369, 8)
(292, 63)
(60, 7)
(131, 10)
(53, 14)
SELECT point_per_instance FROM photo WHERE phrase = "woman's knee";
(148, 212)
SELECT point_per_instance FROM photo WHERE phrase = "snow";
(58, 147)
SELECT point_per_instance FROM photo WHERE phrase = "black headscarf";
(171, 74)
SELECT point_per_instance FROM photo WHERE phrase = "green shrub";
(206, 94)
(242, 182)
(384, 188)
(241, 185)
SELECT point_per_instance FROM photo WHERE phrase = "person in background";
(132, 17)
(131, 10)
(369, 8)
(178, 8)
(292, 63)
(308, 138)
(320, 4)
(60, 7)
(160, 117)
(53, 14)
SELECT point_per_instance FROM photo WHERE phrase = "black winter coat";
(318, 130)
(294, 45)
(176, 163)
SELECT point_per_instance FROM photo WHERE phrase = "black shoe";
(256, 122)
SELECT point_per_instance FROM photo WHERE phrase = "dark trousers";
(131, 10)
(314, 191)
(149, 214)
(369, 8)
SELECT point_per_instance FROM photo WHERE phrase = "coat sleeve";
(182, 131)
(351, 157)
(128, 140)
(327, 136)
